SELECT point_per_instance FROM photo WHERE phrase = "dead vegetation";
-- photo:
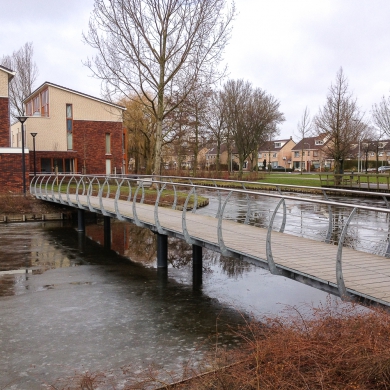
(332, 347)
(19, 204)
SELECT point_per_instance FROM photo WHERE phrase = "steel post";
(80, 220)
(107, 232)
(197, 265)
(162, 251)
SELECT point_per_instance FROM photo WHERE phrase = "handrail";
(250, 200)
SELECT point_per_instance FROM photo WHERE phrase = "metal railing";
(362, 227)
(359, 181)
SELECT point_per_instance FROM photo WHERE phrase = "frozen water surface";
(86, 308)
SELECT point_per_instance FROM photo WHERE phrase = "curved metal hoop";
(70, 203)
(187, 237)
(221, 242)
(89, 193)
(330, 222)
(156, 220)
(77, 192)
(59, 191)
(136, 220)
(117, 195)
(102, 209)
(339, 265)
(270, 258)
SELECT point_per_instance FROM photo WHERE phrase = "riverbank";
(19, 208)
(345, 347)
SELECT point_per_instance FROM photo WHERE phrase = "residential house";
(276, 153)
(211, 157)
(309, 153)
(75, 132)
(367, 151)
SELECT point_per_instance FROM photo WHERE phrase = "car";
(280, 168)
(384, 168)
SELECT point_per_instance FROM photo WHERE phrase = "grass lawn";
(307, 179)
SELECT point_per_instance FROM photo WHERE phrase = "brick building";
(11, 176)
(75, 132)
(276, 152)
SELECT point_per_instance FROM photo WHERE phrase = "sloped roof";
(269, 146)
(46, 83)
(310, 143)
(10, 72)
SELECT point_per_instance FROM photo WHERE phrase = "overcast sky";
(291, 48)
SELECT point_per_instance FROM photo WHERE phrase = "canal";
(81, 307)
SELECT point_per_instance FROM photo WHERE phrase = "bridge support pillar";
(107, 232)
(80, 220)
(197, 264)
(81, 241)
(162, 251)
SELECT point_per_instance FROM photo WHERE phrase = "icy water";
(81, 307)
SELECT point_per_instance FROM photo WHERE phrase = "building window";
(36, 106)
(315, 153)
(69, 126)
(296, 154)
(29, 108)
(108, 143)
(39, 104)
(275, 155)
(259, 155)
(45, 103)
(278, 144)
(319, 142)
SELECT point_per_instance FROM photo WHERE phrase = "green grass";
(311, 180)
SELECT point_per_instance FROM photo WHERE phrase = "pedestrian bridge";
(316, 239)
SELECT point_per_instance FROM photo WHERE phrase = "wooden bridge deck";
(365, 274)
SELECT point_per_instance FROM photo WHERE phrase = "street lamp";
(23, 119)
(35, 167)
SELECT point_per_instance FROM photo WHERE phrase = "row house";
(276, 153)
(211, 157)
(72, 132)
(371, 151)
(310, 153)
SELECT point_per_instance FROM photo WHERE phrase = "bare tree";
(141, 128)
(153, 48)
(21, 86)
(381, 115)
(252, 116)
(216, 122)
(304, 130)
(340, 120)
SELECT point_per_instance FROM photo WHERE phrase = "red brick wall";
(89, 141)
(11, 172)
(4, 123)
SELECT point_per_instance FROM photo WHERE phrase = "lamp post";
(23, 119)
(308, 151)
(35, 167)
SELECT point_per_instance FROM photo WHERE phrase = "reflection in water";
(86, 307)
(369, 231)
